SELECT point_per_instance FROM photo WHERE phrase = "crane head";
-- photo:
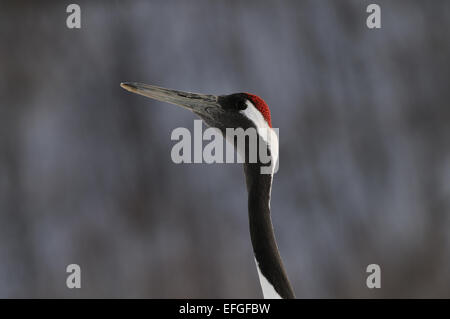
(238, 110)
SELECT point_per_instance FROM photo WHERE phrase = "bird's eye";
(242, 105)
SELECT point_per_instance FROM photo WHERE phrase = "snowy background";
(85, 169)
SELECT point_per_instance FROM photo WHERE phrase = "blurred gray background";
(86, 175)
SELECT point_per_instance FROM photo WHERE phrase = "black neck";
(261, 230)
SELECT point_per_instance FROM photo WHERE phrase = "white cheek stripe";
(269, 291)
(252, 113)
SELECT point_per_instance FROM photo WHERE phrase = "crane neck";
(273, 278)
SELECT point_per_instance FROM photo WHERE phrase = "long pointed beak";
(197, 103)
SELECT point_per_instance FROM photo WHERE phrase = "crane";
(241, 110)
